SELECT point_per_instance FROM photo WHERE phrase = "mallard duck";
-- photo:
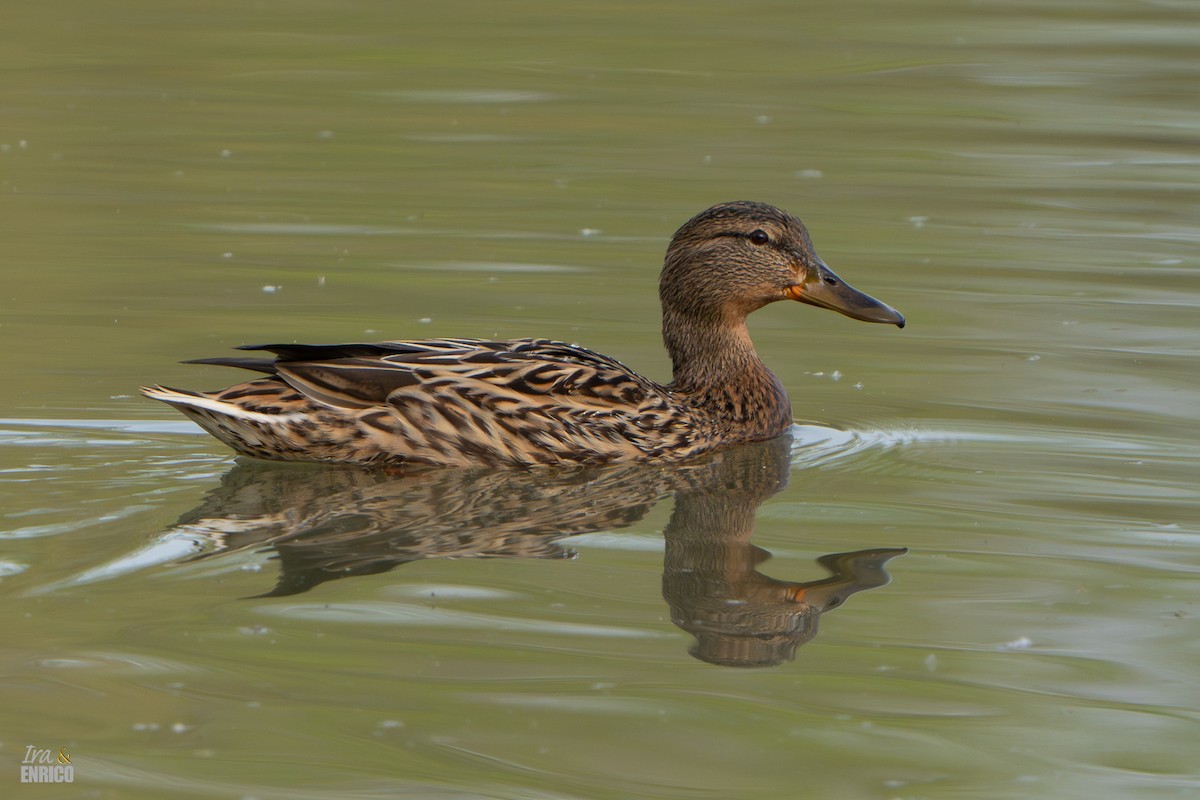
(523, 402)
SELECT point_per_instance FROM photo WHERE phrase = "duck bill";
(825, 290)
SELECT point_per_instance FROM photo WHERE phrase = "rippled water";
(971, 572)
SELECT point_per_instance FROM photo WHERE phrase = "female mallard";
(463, 402)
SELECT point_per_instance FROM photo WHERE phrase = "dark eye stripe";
(766, 239)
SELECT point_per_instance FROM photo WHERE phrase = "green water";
(1021, 180)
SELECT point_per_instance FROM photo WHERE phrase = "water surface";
(1020, 180)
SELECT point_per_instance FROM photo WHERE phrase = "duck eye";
(759, 237)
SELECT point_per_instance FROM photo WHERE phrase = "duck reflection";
(326, 523)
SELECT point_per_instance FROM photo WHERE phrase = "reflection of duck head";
(325, 523)
(739, 616)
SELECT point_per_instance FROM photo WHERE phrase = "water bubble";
(254, 630)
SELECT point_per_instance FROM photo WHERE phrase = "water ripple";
(420, 616)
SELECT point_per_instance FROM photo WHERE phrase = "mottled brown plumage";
(461, 402)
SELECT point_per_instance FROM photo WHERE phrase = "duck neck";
(718, 371)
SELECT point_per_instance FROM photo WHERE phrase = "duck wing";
(517, 400)
(362, 375)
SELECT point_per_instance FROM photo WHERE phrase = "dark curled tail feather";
(266, 365)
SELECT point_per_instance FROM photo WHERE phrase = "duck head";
(735, 258)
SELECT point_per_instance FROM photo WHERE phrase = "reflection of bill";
(324, 523)
(41, 766)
